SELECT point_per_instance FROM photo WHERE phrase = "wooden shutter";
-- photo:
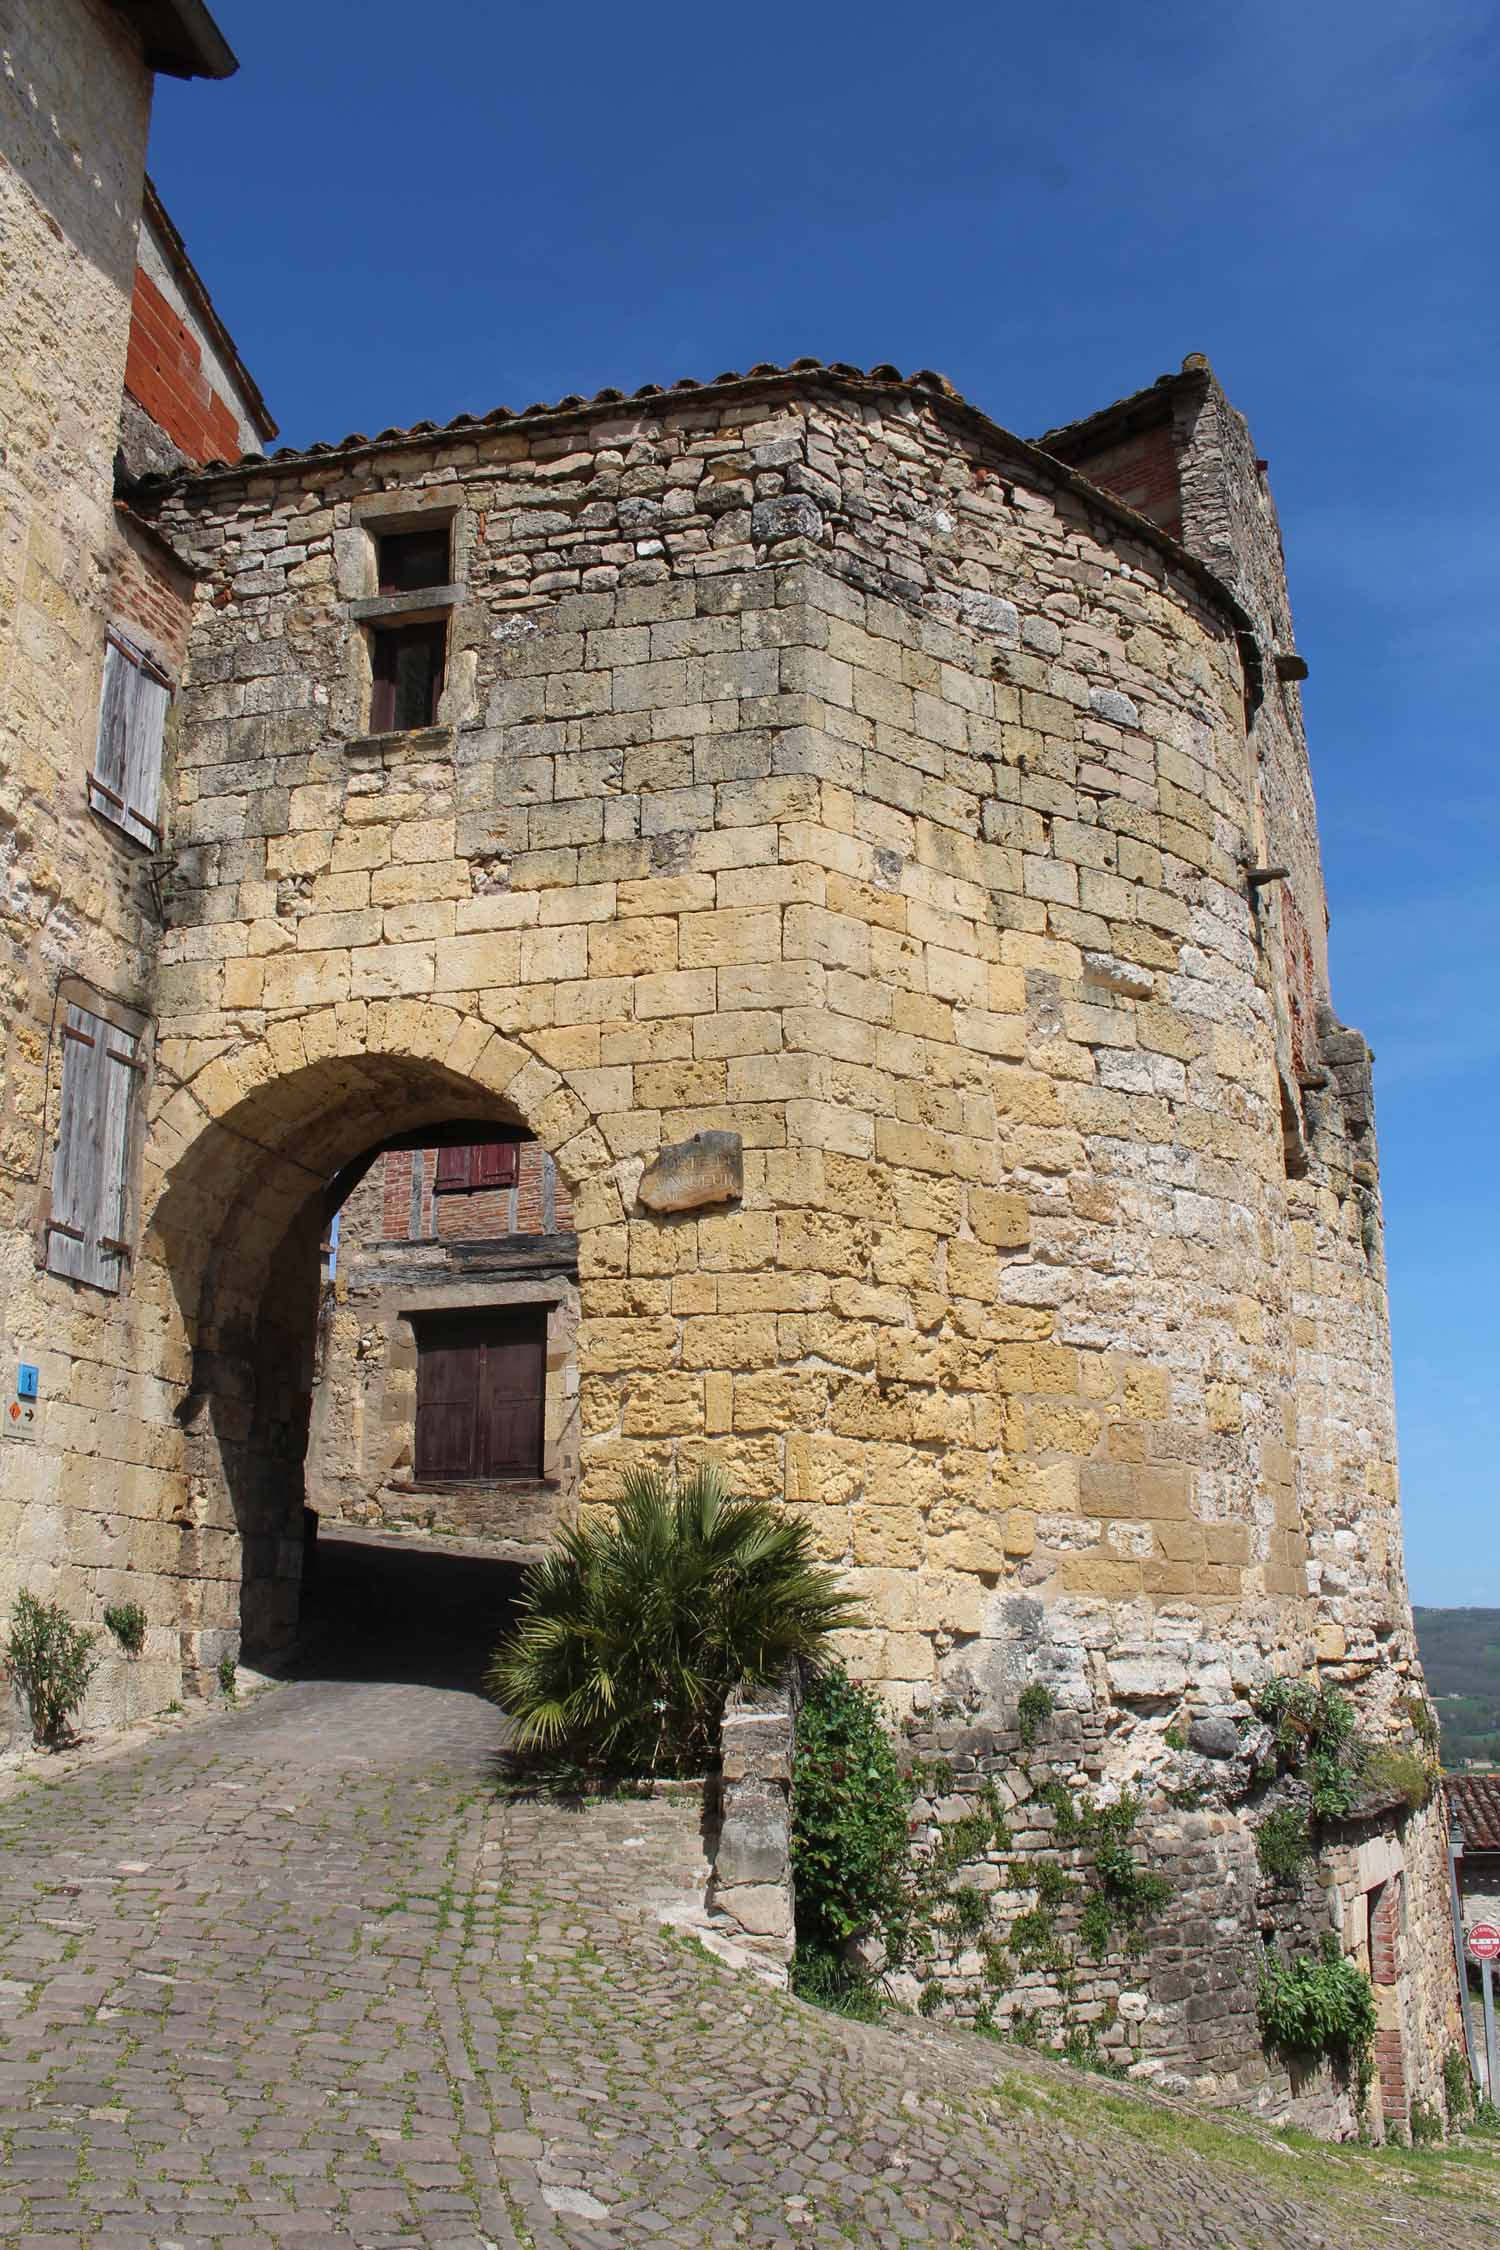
(86, 1225)
(410, 560)
(407, 676)
(448, 1367)
(125, 784)
(494, 1164)
(481, 1382)
(511, 1388)
(452, 1170)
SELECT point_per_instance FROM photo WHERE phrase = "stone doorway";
(240, 1231)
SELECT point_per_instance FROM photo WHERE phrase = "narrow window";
(480, 1164)
(410, 560)
(125, 784)
(481, 1381)
(86, 1225)
(407, 667)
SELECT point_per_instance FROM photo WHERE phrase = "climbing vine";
(874, 1898)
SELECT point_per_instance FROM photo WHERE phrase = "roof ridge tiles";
(926, 382)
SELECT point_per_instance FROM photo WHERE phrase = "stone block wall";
(1174, 2001)
(81, 1508)
(818, 763)
(751, 1896)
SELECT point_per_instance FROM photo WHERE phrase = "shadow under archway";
(395, 1608)
(239, 1229)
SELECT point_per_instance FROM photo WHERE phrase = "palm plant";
(633, 1631)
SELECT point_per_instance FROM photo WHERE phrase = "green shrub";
(1314, 1730)
(1035, 1705)
(1283, 1843)
(1082, 2049)
(1305, 1716)
(838, 1985)
(127, 1621)
(1319, 2004)
(632, 1632)
(1458, 2086)
(51, 1661)
(851, 1814)
(1426, 2125)
(967, 1912)
(1395, 1775)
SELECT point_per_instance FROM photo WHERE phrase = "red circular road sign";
(1484, 1941)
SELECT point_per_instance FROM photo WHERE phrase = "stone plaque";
(710, 1168)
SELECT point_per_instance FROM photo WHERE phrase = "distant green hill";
(1461, 1657)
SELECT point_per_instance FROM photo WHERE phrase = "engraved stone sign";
(710, 1168)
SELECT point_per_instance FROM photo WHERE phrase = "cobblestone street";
(295, 1975)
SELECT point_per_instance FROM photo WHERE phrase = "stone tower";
(801, 757)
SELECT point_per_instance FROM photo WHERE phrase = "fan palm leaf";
(632, 1632)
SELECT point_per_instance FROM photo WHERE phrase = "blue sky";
(408, 212)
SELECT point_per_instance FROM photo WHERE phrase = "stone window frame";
(559, 1394)
(373, 517)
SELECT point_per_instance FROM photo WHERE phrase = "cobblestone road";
(296, 1976)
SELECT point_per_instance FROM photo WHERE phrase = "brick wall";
(410, 1210)
(1142, 471)
(148, 593)
(164, 373)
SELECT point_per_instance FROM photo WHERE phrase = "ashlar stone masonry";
(816, 763)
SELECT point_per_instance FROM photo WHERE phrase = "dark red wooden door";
(447, 1404)
(480, 1385)
(510, 1417)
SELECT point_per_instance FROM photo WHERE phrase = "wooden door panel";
(447, 1403)
(511, 1394)
(481, 1381)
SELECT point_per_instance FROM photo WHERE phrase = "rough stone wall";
(820, 764)
(81, 1508)
(1177, 2003)
(362, 1433)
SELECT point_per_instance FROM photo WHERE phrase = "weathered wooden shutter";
(447, 1404)
(86, 1225)
(481, 1386)
(511, 1388)
(452, 1169)
(125, 784)
(494, 1164)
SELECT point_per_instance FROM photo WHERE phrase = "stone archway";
(245, 1155)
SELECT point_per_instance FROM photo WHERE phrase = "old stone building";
(97, 293)
(800, 758)
(446, 1380)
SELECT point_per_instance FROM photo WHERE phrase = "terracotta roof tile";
(924, 379)
(1474, 1802)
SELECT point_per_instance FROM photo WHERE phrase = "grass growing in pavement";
(1465, 2170)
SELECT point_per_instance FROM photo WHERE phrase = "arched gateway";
(267, 1150)
(804, 760)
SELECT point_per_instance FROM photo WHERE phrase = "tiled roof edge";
(1139, 410)
(932, 388)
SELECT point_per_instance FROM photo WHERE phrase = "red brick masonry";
(164, 374)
